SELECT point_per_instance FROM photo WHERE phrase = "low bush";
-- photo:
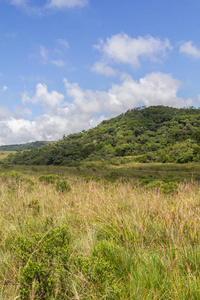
(63, 186)
(49, 178)
(43, 262)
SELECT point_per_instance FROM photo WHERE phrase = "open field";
(131, 170)
(100, 232)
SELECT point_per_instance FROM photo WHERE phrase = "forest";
(25, 146)
(143, 134)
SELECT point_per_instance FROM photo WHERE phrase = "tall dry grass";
(127, 242)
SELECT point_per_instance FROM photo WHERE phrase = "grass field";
(100, 232)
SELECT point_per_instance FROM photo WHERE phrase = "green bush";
(15, 179)
(104, 271)
(93, 178)
(49, 178)
(169, 188)
(113, 176)
(13, 176)
(34, 206)
(63, 186)
(43, 262)
(155, 184)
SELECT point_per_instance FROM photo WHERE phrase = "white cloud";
(102, 68)
(59, 4)
(50, 101)
(121, 48)
(59, 63)
(31, 9)
(19, 2)
(153, 89)
(80, 109)
(190, 49)
(4, 113)
(44, 52)
(5, 88)
(62, 42)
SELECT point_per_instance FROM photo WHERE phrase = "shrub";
(15, 179)
(49, 178)
(104, 271)
(34, 205)
(43, 262)
(94, 178)
(13, 176)
(63, 186)
(169, 188)
(113, 176)
(155, 184)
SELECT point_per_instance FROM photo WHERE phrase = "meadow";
(100, 231)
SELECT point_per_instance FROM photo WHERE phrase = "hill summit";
(144, 134)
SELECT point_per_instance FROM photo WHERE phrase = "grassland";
(100, 232)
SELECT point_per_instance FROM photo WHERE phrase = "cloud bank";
(80, 109)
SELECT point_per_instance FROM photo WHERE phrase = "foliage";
(63, 186)
(49, 178)
(152, 134)
(15, 179)
(104, 269)
(138, 239)
(22, 147)
(42, 258)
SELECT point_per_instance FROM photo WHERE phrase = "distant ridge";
(143, 134)
(21, 147)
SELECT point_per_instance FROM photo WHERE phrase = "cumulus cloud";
(50, 101)
(189, 49)
(66, 3)
(80, 109)
(153, 89)
(123, 49)
(102, 68)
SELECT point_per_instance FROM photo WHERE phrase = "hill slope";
(156, 133)
(22, 147)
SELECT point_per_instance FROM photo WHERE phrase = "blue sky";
(66, 65)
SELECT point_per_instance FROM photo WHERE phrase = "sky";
(67, 65)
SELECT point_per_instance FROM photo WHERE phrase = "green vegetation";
(4, 154)
(21, 147)
(118, 232)
(153, 134)
(88, 218)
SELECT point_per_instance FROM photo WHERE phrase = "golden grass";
(136, 219)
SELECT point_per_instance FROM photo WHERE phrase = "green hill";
(21, 147)
(153, 134)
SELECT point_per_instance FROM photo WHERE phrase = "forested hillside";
(153, 134)
(21, 147)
